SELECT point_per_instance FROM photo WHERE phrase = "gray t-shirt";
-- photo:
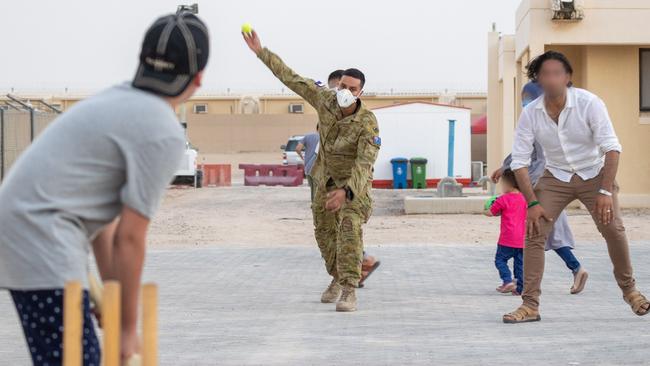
(120, 147)
(310, 142)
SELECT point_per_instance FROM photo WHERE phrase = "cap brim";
(161, 83)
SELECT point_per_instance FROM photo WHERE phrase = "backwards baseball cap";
(175, 48)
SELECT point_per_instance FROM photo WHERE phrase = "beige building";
(235, 123)
(609, 49)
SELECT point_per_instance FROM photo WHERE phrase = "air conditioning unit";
(200, 108)
(296, 108)
(567, 10)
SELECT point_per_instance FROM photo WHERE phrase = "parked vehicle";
(289, 154)
(188, 172)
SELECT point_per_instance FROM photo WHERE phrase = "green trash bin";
(419, 172)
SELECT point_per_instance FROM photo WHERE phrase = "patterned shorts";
(41, 315)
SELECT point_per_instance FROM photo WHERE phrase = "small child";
(512, 207)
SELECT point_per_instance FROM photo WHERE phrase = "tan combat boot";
(332, 293)
(348, 300)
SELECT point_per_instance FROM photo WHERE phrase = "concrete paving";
(426, 305)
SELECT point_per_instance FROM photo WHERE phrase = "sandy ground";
(260, 216)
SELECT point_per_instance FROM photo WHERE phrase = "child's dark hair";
(509, 176)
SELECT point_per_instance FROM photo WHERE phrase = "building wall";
(604, 51)
(613, 74)
(494, 125)
(225, 133)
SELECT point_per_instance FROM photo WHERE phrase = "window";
(200, 108)
(296, 108)
(644, 79)
(291, 145)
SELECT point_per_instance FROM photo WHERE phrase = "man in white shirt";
(582, 151)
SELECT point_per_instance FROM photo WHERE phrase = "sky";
(401, 45)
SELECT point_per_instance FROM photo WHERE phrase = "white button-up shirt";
(577, 144)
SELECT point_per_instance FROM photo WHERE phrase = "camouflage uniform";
(347, 153)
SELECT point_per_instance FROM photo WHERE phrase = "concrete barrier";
(272, 175)
(217, 175)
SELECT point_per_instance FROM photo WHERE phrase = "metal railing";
(18, 128)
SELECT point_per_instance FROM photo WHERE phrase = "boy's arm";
(150, 167)
(306, 88)
(128, 260)
(496, 208)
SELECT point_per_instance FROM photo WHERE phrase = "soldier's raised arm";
(367, 150)
(305, 87)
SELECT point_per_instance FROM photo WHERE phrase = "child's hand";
(489, 203)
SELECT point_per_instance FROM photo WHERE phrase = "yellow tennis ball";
(247, 28)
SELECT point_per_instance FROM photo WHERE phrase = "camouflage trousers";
(340, 236)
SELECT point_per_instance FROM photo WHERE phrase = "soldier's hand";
(335, 200)
(253, 41)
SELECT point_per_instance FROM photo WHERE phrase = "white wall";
(422, 130)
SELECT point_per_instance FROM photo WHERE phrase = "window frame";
(302, 108)
(643, 52)
(204, 105)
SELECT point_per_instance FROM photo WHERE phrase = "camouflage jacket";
(348, 146)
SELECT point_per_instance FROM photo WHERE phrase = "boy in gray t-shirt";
(96, 177)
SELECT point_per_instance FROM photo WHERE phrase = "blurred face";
(553, 78)
(333, 83)
(352, 84)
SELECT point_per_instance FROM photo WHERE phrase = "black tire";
(199, 178)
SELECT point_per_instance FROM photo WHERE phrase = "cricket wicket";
(110, 320)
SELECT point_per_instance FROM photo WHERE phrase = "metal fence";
(18, 128)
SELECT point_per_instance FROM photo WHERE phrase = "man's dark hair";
(357, 74)
(336, 74)
(535, 65)
(509, 176)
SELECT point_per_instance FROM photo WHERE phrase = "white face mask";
(345, 98)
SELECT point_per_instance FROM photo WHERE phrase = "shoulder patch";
(319, 84)
(376, 140)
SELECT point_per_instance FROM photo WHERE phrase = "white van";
(289, 154)
(188, 171)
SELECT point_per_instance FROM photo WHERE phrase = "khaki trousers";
(340, 236)
(554, 195)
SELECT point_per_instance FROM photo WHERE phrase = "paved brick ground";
(428, 305)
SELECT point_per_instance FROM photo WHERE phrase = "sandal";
(640, 305)
(507, 288)
(523, 314)
(579, 281)
(366, 274)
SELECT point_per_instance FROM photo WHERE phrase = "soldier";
(310, 144)
(342, 172)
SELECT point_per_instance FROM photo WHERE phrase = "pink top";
(512, 208)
